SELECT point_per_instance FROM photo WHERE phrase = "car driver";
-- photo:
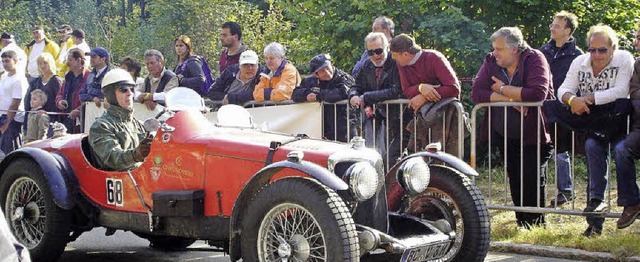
(118, 140)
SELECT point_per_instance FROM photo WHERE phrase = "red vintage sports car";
(258, 195)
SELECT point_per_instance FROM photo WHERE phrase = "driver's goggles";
(125, 88)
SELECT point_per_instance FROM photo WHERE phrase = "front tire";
(34, 219)
(301, 220)
(452, 196)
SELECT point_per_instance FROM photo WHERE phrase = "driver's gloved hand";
(142, 150)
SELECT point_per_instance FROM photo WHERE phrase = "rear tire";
(34, 219)
(299, 217)
(453, 196)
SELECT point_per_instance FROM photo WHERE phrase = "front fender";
(260, 179)
(56, 170)
(451, 160)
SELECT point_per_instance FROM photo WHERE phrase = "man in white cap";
(9, 43)
(236, 84)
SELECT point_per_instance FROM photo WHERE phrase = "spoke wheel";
(453, 197)
(298, 219)
(33, 218)
(290, 231)
(26, 212)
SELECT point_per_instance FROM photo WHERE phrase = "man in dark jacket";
(514, 72)
(68, 97)
(236, 84)
(560, 52)
(628, 191)
(328, 84)
(159, 80)
(100, 63)
(379, 81)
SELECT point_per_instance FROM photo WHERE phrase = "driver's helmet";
(116, 78)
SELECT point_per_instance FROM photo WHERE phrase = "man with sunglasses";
(379, 81)
(560, 51)
(426, 77)
(327, 84)
(119, 141)
(593, 84)
(383, 25)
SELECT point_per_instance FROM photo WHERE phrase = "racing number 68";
(114, 192)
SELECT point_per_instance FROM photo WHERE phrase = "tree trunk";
(123, 13)
(143, 13)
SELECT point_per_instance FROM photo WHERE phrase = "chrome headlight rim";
(414, 175)
(363, 180)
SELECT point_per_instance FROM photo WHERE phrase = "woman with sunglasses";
(594, 81)
(118, 140)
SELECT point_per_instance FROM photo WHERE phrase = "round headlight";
(414, 175)
(363, 180)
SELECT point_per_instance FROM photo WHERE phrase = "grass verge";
(561, 230)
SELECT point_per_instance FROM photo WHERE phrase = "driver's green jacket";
(114, 137)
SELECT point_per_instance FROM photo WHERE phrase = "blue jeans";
(11, 138)
(628, 193)
(597, 152)
(563, 170)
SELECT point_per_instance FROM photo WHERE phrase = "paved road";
(124, 246)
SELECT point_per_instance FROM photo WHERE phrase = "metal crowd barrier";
(357, 122)
(401, 105)
(504, 202)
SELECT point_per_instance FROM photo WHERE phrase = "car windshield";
(182, 98)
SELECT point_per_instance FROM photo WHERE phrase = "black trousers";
(524, 186)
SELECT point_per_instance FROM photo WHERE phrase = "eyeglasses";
(556, 26)
(124, 89)
(601, 50)
(375, 51)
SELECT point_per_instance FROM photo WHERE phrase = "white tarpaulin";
(304, 118)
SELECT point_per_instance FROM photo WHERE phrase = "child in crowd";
(38, 122)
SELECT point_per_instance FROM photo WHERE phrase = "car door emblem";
(166, 137)
(155, 173)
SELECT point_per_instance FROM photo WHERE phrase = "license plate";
(425, 253)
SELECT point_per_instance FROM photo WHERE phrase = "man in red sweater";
(426, 76)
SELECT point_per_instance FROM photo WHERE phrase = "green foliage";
(534, 16)
(458, 28)
(339, 28)
(164, 20)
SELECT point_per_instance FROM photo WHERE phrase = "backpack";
(208, 82)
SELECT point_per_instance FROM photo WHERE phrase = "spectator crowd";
(590, 93)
